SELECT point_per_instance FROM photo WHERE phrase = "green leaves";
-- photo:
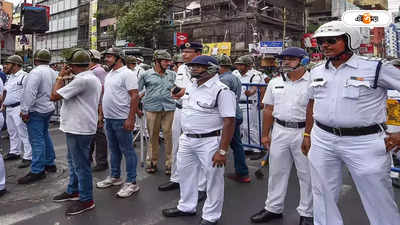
(141, 20)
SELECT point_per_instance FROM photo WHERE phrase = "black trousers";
(99, 142)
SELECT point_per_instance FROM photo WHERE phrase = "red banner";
(366, 49)
(181, 38)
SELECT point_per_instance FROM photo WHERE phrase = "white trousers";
(253, 123)
(286, 149)
(2, 168)
(18, 133)
(176, 133)
(369, 165)
(194, 155)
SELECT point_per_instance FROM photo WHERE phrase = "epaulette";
(370, 58)
(313, 65)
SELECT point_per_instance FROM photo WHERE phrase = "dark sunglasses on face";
(330, 41)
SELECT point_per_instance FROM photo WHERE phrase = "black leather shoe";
(306, 220)
(175, 212)
(169, 186)
(202, 196)
(206, 222)
(3, 192)
(11, 156)
(264, 216)
(50, 169)
(31, 177)
(99, 168)
(24, 163)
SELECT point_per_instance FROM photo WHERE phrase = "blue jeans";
(120, 142)
(241, 168)
(80, 173)
(39, 137)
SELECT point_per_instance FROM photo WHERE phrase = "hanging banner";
(220, 48)
(93, 24)
(181, 38)
(5, 15)
(393, 112)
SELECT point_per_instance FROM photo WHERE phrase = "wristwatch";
(222, 152)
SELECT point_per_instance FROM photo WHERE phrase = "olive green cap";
(78, 57)
(161, 54)
(15, 59)
(42, 55)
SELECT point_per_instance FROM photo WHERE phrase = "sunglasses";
(330, 41)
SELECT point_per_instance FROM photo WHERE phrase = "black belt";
(291, 124)
(354, 131)
(14, 105)
(211, 134)
(245, 102)
(179, 106)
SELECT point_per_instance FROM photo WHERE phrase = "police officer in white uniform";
(285, 106)
(349, 111)
(248, 98)
(16, 128)
(208, 118)
(183, 80)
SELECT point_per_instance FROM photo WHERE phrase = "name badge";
(318, 82)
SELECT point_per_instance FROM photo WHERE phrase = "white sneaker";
(108, 182)
(127, 190)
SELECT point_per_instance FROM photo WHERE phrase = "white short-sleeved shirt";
(116, 99)
(15, 87)
(79, 111)
(202, 112)
(249, 78)
(344, 97)
(183, 76)
(289, 98)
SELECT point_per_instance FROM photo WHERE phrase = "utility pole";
(284, 27)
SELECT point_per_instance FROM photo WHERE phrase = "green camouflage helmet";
(224, 60)
(113, 51)
(94, 54)
(178, 58)
(42, 55)
(161, 54)
(78, 57)
(15, 59)
(130, 59)
(245, 60)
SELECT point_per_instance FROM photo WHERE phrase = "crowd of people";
(202, 106)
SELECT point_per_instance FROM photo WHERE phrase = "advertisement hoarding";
(6, 9)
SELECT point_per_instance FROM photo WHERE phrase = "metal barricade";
(259, 116)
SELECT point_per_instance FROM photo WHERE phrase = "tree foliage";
(142, 20)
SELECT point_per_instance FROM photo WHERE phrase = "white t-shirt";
(79, 111)
(116, 99)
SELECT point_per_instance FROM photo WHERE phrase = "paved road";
(32, 205)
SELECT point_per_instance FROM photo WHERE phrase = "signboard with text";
(220, 48)
(271, 47)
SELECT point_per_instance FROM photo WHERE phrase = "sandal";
(151, 168)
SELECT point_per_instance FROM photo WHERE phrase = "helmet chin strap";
(199, 75)
(341, 56)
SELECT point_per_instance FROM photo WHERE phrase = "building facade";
(241, 22)
(392, 41)
(63, 27)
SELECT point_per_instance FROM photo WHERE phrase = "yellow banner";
(220, 48)
(393, 112)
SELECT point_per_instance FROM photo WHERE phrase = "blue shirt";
(3, 77)
(235, 86)
(158, 90)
